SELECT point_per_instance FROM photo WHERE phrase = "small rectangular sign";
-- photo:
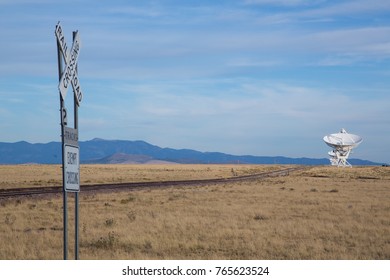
(71, 168)
(71, 136)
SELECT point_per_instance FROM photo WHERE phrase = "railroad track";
(36, 191)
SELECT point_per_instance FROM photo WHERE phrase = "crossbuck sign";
(69, 75)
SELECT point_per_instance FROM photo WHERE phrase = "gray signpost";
(70, 144)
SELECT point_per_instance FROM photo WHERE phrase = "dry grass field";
(319, 213)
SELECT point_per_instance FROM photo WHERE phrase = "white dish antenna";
(342, 144)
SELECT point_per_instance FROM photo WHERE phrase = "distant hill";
(121, 158)
(24, 152)
(120, 151)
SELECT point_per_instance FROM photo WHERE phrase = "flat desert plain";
(320, 212)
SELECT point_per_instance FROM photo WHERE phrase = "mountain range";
(122, 151)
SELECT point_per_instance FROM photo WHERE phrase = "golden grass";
(319, 213)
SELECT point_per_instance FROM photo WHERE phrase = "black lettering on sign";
(66, 80)
(69, 135)
(72, 158)
(64, 117)
(72, 178)
(61, 40)
(77, 90)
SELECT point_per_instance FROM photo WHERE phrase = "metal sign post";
(69, 136)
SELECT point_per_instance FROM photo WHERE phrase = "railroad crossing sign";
(69, 74)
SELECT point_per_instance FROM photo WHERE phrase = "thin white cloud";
(252, 62)
(131, 11)
(322, 11)
(348, 8)
(288, 3)
(17, 2)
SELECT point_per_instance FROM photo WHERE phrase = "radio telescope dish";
(342, 144)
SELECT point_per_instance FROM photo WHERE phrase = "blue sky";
(260, 77)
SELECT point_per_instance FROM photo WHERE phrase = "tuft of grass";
(9, 219)
(32, 206)
(132, 216)
(259, 217)
(105, 242)
(147, 247)
(109, 222)
(130, 198)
